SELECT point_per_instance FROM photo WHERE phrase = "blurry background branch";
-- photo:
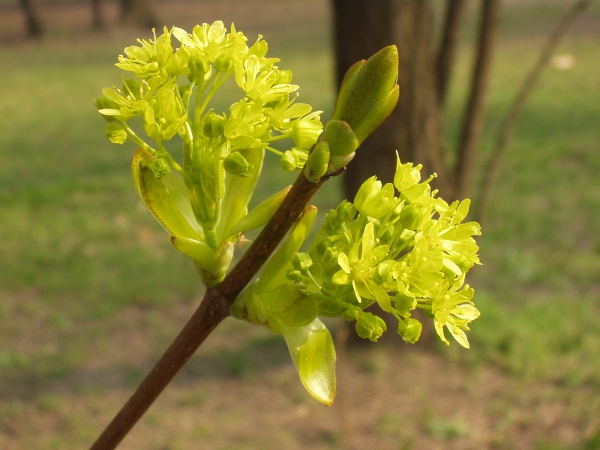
(32, 18)
(490, 172)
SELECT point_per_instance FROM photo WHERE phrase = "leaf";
(313, 353)
(289, 306)
(261, 214)
(161, 200)
(274, 270)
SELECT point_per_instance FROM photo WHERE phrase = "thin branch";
(447, 51)
(490, 174)
(213, 309)
(473, 120)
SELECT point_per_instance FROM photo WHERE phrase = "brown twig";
(213, 309)
(473, 120)
(490, 174)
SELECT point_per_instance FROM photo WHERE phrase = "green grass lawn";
(90, 285)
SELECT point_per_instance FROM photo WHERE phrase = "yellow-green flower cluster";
(400, 246)
(170, 96)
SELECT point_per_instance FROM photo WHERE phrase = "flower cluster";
(397, 245)
(202, 200)
(405, 251)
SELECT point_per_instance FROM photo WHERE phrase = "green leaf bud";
(236, 164)
(199, 66)
(214, 125)
(317, 162)
(369, 92)
(410, 330)
(115, 133)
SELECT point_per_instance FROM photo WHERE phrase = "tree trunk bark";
(32, 18)
(97, 19)
(138, 13)
(363, 27)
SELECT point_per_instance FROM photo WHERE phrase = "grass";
(91, 290)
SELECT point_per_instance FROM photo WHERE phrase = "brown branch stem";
(490, 173)
(213, 309)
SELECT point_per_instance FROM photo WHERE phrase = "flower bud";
(199, 67)
(223, 63)
(293, 159)
(410, 330)
(301, 261)
(369, 326)
(369, 92)
(115, 133)
(214, 125)
(236, 164)
(346, 211)
(294, 275)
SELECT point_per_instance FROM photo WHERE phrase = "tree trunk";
(32, 18)
(363, 27)
(97, 19)
(138, 13)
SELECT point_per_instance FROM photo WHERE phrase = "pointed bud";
(369, 92)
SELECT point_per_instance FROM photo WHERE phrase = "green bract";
(202, 200)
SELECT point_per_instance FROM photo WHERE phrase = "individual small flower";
(454, 310)
(375, 201)
(358, 265)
